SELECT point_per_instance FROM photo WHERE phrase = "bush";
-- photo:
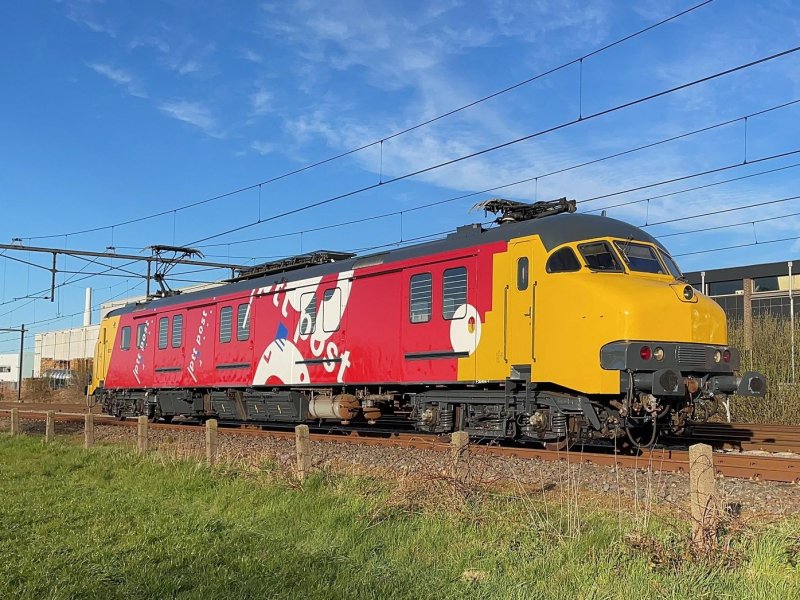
(771, 355)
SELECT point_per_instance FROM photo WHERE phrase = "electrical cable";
(424, 123)
(500, 146)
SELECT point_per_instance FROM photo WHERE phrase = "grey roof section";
(745, 271)
(553, 231)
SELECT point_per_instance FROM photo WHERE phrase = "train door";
(520, 300)
(439, 320)
(143, 364)
(169, 349)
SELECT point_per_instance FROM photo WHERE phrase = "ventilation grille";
(690, 356)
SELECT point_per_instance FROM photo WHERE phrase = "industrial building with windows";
(770, 288)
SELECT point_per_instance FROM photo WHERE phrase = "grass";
(109, 524)
(772, 355)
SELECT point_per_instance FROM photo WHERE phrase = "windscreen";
(600, 257)
(672, 266)
(641, 258)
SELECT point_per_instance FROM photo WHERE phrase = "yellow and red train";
(551, 326)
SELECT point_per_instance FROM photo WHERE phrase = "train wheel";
(154, 414)
(568, 441)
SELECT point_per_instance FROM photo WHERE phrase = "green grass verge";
(107, 524)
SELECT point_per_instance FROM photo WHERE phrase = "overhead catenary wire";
(698, 187)
(424, 123)
(548, 174)
(606, 111)
(721, 211)
(502, 145)
(650, 185)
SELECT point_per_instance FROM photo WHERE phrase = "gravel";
(632, 492)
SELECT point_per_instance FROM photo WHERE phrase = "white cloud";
(260, 102)
(187, 68)
(82, 12)
(120, 77)
(263, 147)
(182, 55)
(251, 56)
(149, 41)
(194, 113)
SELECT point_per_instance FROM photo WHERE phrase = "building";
(772, 288)
(65, 356)
(9, 369)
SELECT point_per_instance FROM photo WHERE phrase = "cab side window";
(563, 261)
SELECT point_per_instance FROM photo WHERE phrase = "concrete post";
(88, 431)
(702, 495)
(303, 447)
(212, 445)
(459, 453)
(50, 427)
(142, 434)
(14, 421)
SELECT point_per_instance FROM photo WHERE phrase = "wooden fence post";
(88, 433)
(50, 426)
(303, 448)
(703, 496)
(212, 445)
(142, 434)
(14, 421)
(459, 453)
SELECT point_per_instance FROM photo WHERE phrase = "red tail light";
(726, 356)
(645, 352)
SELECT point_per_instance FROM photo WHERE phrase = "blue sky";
(117, 110)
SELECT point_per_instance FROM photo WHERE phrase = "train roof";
(553, 231)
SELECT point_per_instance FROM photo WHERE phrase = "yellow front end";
(559, 324)
(102, 352)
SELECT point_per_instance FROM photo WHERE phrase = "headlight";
(688, 292)
(658, 353)
(717, 356)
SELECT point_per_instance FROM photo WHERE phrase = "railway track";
(728, 464)
(743, 436)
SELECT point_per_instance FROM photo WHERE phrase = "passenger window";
(331, 310)
(308, 320)
(177, 331)
(225, 324)
(600, 257)
(163, 332)
(522, 273)
(420, 297)
(125, 338)
(563, 261)
(141, 336)
(243, 322)
(454, 291)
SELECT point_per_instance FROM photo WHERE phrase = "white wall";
(9, 365)
(68, 344)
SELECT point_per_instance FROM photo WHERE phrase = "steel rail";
(741, 466)
(743, 436)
